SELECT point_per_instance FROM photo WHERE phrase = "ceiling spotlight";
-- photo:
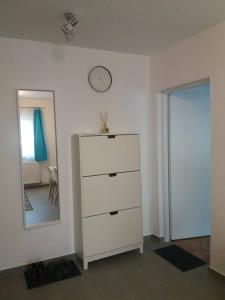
(69, 25)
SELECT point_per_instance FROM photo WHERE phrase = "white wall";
(190, 160)
(34, 65)
(196, 58)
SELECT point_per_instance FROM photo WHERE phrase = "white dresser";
(107, 195)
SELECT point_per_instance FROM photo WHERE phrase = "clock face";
(100, 79)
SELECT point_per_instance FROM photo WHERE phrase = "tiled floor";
(129, 276)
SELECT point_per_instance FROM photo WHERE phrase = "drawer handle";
(112, 174)
(111, 136)
(112, 213)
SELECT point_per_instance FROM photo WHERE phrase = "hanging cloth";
(40, 150)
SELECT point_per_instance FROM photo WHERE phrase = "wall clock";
(100, 79)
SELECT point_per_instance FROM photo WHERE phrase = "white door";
(189, 156)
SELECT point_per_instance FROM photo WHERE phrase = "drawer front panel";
(107, 193)
(103, 155)
(109, 232)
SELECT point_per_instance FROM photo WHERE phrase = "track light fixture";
(69, 25)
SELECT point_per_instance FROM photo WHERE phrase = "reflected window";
(27, 133)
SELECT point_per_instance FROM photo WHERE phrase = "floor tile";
(78, 294)
(47, 292)
(108, 287)
(204, 279)
(216, 294)
(180, 288)
(75, 283)
(11, 287)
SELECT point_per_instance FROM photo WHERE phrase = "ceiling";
(132, 26)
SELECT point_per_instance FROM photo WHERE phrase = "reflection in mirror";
(38, 157)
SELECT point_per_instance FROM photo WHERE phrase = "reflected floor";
(43, 209)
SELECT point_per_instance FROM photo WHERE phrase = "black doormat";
(180, 258)
(41, 274)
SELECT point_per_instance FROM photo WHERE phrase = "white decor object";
(104, 118)
(107, 195)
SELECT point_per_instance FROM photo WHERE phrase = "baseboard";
(158, 238)
(154, 237)
(216, 272)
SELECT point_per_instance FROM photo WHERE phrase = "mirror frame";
(43, 224)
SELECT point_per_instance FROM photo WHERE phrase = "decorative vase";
(104, 118)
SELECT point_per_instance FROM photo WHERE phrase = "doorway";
(186, 149)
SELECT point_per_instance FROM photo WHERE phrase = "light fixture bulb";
(69, 25)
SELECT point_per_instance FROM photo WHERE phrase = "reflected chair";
(53, 184)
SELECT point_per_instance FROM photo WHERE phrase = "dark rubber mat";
(180, 258)
(44, 273)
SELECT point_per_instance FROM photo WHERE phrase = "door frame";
(163, 168)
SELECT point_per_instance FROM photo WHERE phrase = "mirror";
(40, 188)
